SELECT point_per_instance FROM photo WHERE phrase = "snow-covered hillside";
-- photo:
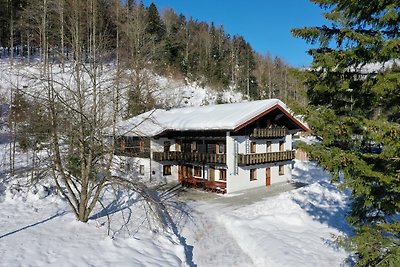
(167, 92)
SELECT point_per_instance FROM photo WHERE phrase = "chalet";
(224, 148)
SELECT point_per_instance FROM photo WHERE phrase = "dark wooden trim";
(194, 157)
(301, 125)
(261, 158)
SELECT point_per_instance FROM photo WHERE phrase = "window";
(141, 169)
(167, 145)
(281, 169)
(253, 146)
(197, 171)
(220, 148)
(269, 146)
(178, 145)
(253, 174)
(167, 170)
(281, 146)
(193, 147)
(122, 144)
(211, 148)
(186, 147)
(141, 145)
(222, 175)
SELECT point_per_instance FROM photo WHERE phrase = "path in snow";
(282, 225)
(213, 244)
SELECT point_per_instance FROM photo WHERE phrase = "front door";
(212, 173)
(268, 176)
(180, 175)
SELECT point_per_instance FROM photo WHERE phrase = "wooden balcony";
(132, 153)
(275, 132)
(190, 157)
(261, 158)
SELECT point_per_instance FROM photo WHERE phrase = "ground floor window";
(222, 175)
(281, 169)
(167, 170)
(253, 174)
(197, 171)
(141, 169)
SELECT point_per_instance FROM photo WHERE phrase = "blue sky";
(265, 24)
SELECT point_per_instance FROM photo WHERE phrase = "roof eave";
(265, 112)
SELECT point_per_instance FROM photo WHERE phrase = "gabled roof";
(213, 117)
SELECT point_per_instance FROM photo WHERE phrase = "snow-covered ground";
(264, 227)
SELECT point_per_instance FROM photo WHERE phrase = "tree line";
(169, 44)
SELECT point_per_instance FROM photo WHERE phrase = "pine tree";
(155, 25)
(353, 86)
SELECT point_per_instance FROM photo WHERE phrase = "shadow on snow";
(58, 214)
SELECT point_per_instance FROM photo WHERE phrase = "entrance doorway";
(211, 175)
(268, 176)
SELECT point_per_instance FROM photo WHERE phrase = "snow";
(283, 225)
(268, 227)
(376, 67)
(293, 228)
(279, 232)
(41, 233)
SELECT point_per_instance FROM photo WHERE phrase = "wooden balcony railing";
(260, 158)
(190, 157)
(132, 153)
(269, 132)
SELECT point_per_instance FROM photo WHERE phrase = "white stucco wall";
(131, 166)
(239, 178)
(157, 145)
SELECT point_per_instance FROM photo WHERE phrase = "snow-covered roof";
(212, 117)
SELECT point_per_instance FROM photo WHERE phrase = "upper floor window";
(141, 145)
(281, 146)
(220, 148)
(269, 146)
(167, 145)
(193, 147)
(121, 142)
(253, 147)
(178, 145)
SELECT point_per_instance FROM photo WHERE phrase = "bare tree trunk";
(61, 10)
(12, 33)
(28, 43)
